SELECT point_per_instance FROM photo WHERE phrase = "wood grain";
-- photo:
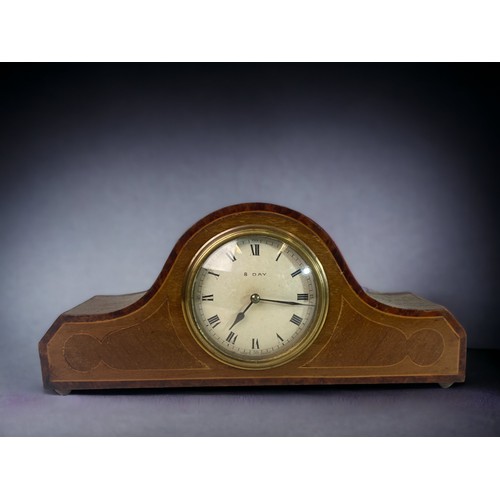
(143, 339)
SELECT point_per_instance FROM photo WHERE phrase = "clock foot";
(446, 385)
(62, 392)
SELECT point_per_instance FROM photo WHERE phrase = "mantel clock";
(253, 294)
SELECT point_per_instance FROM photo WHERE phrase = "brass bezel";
(322, 296)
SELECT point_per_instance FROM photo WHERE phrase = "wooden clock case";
(142, 340)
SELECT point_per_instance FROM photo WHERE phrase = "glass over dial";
(257, 299)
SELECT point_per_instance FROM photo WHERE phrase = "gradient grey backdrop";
(105, 166)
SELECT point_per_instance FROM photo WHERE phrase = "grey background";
(105, 166)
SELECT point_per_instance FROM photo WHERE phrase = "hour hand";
(241, 315)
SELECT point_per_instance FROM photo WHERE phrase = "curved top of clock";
(101, 307)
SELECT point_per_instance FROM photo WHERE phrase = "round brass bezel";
(321, 296)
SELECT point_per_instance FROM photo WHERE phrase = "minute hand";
(286, 302)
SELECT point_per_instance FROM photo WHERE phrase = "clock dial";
(256, 297)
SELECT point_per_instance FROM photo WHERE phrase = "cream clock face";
(256, 297)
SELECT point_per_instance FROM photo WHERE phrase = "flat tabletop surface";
(469, 409)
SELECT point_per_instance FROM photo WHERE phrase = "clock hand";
(286, 302)
(257, 298)
(253, 300)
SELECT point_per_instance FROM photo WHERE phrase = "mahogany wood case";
(143, 340)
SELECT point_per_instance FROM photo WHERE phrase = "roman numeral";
(255, 249)
(231, 337)
(296, 320)
(302, 296)
(277, 335)
(208, 297)
(214, 321)
(213, 274)
(231, 256)
(279, 255)
(255, 344)
(298, 271)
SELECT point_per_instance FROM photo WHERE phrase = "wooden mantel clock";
(253, 294)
